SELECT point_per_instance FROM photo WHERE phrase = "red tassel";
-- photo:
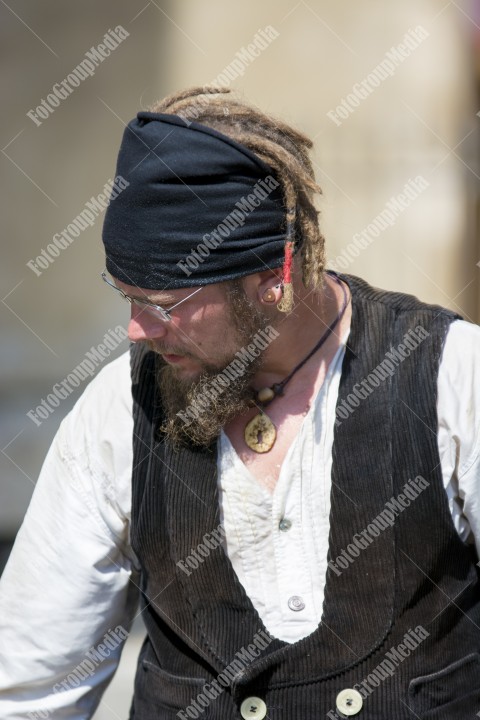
(287, 263)
(286, 303)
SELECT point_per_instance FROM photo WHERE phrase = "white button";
(349, 702)
(296, 603)
(253, 707)
(284, 524)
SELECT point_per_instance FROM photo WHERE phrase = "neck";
(300, 331)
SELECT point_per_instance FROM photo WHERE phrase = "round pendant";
(260, 434)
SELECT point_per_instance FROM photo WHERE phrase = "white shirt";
(67, 581)
(276, 565)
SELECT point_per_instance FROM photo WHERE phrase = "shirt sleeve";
(459, 426)
(69, 591)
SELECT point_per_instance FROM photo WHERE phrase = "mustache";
(168, 350)
(160, 350)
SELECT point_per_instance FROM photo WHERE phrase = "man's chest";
(265, 467)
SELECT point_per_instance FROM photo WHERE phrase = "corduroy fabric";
(417, 573)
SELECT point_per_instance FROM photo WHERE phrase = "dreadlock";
(281, 147)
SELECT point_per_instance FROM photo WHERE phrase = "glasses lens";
(154, 311)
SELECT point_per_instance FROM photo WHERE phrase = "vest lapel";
(225, 616)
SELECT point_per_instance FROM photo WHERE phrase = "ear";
(266, 286)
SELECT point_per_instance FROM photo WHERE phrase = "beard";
(192, 413)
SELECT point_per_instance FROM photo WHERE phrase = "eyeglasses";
(155, 310)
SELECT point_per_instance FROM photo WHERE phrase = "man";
(300, 506)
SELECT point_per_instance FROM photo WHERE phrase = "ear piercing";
(269, 296)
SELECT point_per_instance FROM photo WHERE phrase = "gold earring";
(269, 296)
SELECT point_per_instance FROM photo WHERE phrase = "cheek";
(215, 341)
(208, 326)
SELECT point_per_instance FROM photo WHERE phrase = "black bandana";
(199, 208)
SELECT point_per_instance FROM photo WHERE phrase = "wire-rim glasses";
(154, 309)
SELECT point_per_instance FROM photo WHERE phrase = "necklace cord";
(277, 388)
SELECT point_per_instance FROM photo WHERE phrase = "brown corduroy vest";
(401, 614)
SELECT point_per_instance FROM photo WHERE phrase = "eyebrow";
(168, 300)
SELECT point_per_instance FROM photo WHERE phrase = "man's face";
(201, 339)
(190, 341)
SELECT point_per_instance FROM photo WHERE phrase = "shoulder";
(106, 400)
(400, 303)
(459, 372)
(462, 348)
(96, 436)
(459, 388)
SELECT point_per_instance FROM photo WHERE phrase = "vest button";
(253, 707)
(349, 702)
(284, 524)
(296, 603)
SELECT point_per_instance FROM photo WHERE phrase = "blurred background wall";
(324, 71)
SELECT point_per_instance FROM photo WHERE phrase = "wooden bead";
(265, 394)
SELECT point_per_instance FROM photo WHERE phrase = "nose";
(145, 326)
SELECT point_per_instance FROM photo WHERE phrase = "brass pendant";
(260, 433)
